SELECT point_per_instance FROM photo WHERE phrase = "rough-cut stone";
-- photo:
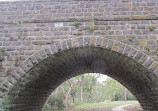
(64, 44)
(153, 66)
(104, 43)
(99, 41)
(132, 52)
(126, 50)
(80, 42)
(38, 56)
(33, 59)
(93, 41)
(69, 43)
(53, 48)
(110, 44)
(148, 62)
(58, 46)
(87, 41)
(138, 56)
(19, 71)
(43, 53)
(12, 79)
(47, 50)
(121, 47)
(115, 46)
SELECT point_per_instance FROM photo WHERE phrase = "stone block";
(126, 50)
(69, 43)
(53, 48)
(64, 44)
(43, 54)
(121, 47)
(80, 41)
(99, 41)
(132, 52)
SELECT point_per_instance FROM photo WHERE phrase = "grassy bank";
(104, 104)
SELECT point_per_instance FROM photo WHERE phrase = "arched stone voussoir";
(65, 44)
(123, 56)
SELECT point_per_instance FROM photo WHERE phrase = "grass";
(105, 104)
(76, 24)
(92, 23)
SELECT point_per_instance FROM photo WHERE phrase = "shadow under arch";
(33, 81)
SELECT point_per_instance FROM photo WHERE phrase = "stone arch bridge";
(45, 42)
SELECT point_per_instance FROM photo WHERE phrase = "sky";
(101, 78)
(12, 0)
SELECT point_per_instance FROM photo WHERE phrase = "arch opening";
(95, 91)
(32, 90)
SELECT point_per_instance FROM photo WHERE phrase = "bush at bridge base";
(4, 104)
(54, 103)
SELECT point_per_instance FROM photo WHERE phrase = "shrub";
(92, 23)
(1, 58)
(55, 103)
(4, 104)
(151, 28)
(2, 50)
(76, 24)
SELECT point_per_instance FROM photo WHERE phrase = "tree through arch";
(33, 81)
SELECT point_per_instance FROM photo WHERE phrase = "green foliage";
(79, 29)
(55, 102)
(89, 83)
(78, 33)
(147, 48)
(131, 97)
(8, 70)
(117, 96)
(104, 104)
(77, 101)
(15, 22)
(76, 24)
(1, 58)
(92, 23)
(130, 39)
(2, 50)
(151, 28)
(73, 92)
(87, 89)
(113, 89)
(157, 51)
(4, 104)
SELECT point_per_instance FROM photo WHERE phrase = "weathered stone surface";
(115, 46)
(99, 41)
(87, 41)
(64, 44)
(53, 48)
(126, 50)
(132, 52)
(148, 62)
(80, 41)
(93, 41)
(121, 47)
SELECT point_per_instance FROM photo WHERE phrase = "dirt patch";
(95, 109)
(133, 108)
(99, 109)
